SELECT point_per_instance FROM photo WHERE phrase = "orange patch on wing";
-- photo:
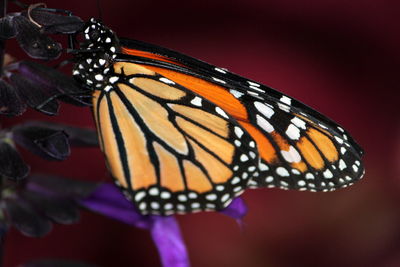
(196, 180)
(301, 166)
(214, 143)
(218, 172)
(110, 148)
(139, 53)
(324, 144)
(314, 124)
(310, 153)
(210, 91)
(265, 148)
(158, 89)
(280, 141)
(131, 68)
(170, 173)
(141, 169)
(155, 116)
(208, 120)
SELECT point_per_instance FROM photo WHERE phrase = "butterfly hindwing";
(170, 149)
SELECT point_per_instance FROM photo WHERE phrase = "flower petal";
(60, 186)
(168, 239)
(45, 142)
(108, 200)
(7, 30)
(237, 209)
(26, 220)
(60, 83)
(10, 102)
(11, 164)
(60, 210)
(33, 42)
(34, 95)
(55, 23)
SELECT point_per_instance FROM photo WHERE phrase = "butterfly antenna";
(99, 10)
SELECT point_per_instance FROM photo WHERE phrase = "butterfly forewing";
(299, 147)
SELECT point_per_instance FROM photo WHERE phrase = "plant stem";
(3, 11)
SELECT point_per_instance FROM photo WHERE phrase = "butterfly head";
(97, 52)
(100, 38)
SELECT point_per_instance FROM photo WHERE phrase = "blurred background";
(340, 57)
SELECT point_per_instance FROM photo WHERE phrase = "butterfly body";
(180, 135)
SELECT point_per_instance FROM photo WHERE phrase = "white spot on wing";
(263, 167)
(301, 183)
(339, 140)
(328, 174)
(165, 80)
(98, 77)
(113, 79)
(220, 70)
(139, 196)
(293, 132)
(286, 100)
(218, 80)
(256, 88)
(196, 101)
(221, 112)
(282, 172)
(253, 83)
(292, 155)
(264, 109)
(236, 93)
(244, 158)
(284, 107)
(342, 164)
(310, 176)
(239, 132)
(264, 124)
(269, 179)
(299, 123)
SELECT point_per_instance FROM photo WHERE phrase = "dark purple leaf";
(60, 83)
(77, 136)
(60, 210)
(26, 220)
(7, 30)
(60, 186)
(56, 263)
(11, 164)
(10, 102)
(108, 200)
(33, 41)
(168, 239)
(55, 23)
(34, 95)
(45, 142)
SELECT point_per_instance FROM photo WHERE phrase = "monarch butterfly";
(180, 135)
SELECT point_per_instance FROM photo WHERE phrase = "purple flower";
(108, 200)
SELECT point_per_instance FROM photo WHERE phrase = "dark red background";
(338, 56)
